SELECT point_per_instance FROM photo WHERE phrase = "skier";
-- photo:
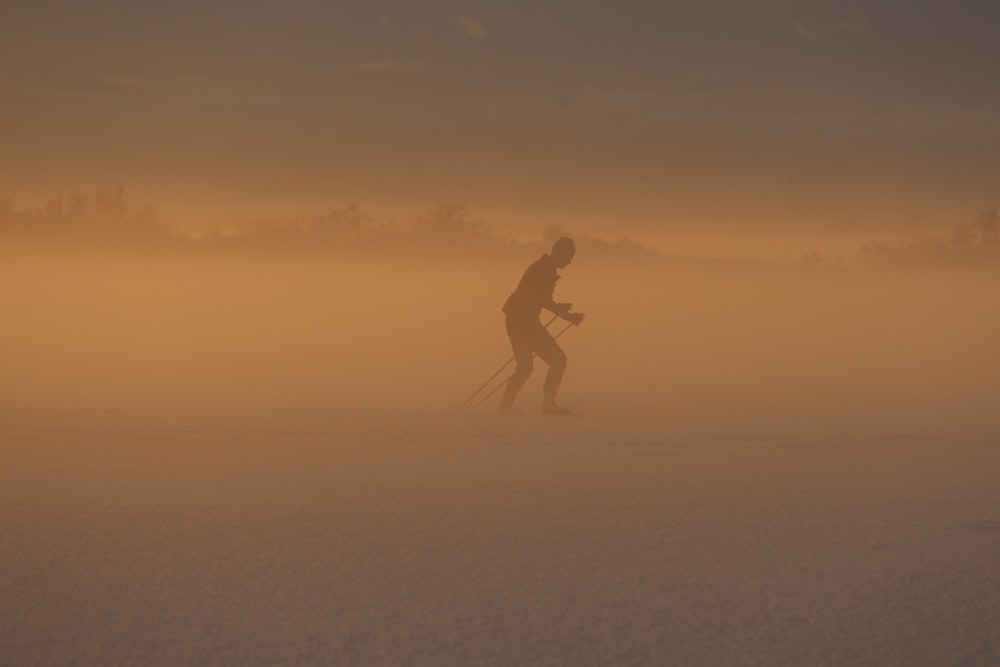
(527, 335)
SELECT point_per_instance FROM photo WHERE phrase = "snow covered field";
(391, 539)
(210, 460)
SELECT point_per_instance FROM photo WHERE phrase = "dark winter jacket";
(535, 290)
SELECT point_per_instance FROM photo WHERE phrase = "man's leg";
(548, 349)
(520, 341)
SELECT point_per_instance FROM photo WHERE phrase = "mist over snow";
(242, 449)
(339, 312)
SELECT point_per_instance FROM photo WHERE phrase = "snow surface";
(422, 539)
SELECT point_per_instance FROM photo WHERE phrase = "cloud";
(132, 82)
(389, 66)
(854, 26)
(472, 28)
(185, 84)
(802, 31)
(191, 86)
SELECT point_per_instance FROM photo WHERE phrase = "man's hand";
(563, 309)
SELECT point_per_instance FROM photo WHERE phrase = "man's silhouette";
(527, 335)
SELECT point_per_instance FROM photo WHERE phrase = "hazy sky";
(686, 111)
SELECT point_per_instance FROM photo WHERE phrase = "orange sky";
(586, 111)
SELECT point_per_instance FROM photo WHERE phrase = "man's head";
(563, 251)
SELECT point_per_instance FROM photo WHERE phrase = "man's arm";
(544, 287)
(565, 311)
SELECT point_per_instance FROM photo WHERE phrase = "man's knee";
(557, 359)
(524, 367)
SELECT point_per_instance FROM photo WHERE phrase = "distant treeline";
(105, 219)
(100, 217)
(973, 243)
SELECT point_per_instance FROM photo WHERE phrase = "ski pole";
(492, 377)
(507, 379)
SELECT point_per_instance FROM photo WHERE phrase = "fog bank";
(699, 346)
